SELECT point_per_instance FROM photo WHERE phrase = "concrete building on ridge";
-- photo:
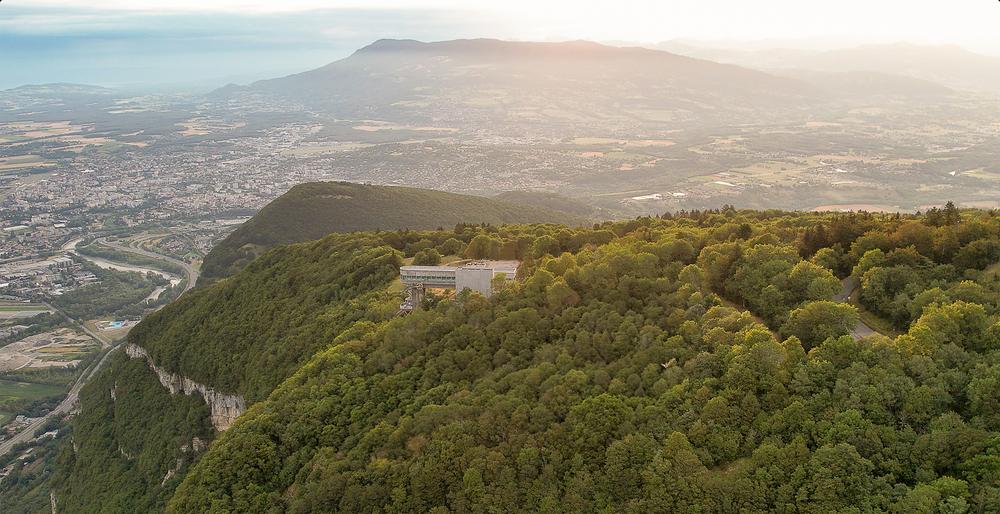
(475, 275)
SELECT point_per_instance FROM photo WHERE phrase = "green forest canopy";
(313, 210)
(695, 362)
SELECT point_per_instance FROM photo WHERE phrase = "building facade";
(475, 275)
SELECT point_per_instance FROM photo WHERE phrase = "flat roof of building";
(428, 268)
(496, 266)
(508, 267)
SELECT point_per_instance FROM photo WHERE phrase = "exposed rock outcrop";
(171, 472)
(225, 407)
(196, 445)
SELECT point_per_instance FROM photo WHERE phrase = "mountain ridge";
(313, 210)
(951, 66)
(489, 80)
(620, 372)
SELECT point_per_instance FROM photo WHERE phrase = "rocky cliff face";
(225, 407)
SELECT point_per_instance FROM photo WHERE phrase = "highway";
(28, 433)
(65, 406)
(192, 274)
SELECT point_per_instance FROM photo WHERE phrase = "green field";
(18, 397)
(22, 307)
(23, 171)
(11, 390)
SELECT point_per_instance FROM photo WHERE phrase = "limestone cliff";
(225, 408)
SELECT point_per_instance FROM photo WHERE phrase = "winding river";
(106, 264)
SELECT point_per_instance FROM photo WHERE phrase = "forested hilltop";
(705, 361)
(313, 210)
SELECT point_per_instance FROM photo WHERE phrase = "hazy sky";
(210, 42)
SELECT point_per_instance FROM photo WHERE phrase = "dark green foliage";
(26, 489)
(248, 333)
(427, 257)
(111, 254)
(242, 335)
(815, 322)
(621, 374)
(484, 246)
(641, 394)
(313, 210)
(36, 325)
(771, 280)
(549, 202)
(451, 246)
(124, 446)
(915, 265)
(116, 293)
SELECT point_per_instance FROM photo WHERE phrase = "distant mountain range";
(468, 80)
(313, 210)
(514, 84)
(950, 66)
(582, 79)
(867, 84)
(58, 89)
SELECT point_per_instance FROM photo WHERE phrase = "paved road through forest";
(848, 287)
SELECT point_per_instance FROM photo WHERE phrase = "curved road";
(28, 433)
(192, 274)
(65, 406)
(847, 288)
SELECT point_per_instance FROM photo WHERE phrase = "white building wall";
(477, 279)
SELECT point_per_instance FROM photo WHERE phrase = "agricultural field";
(20, 310)
(61, 348)
(14, 390)
(23, 162)
(16, 395)
(36, 370)
(204, 125)
(67, 136)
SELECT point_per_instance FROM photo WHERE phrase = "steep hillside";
(623, 374)
(131, 443)
(198, 338)
(948, 65)
(238, 339)
(553, 202)
(868, 84)
(310, 211)
(484, 80)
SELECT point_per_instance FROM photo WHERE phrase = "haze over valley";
(484, 117)
(523, 258)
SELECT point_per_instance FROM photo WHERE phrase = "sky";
(203, 44)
